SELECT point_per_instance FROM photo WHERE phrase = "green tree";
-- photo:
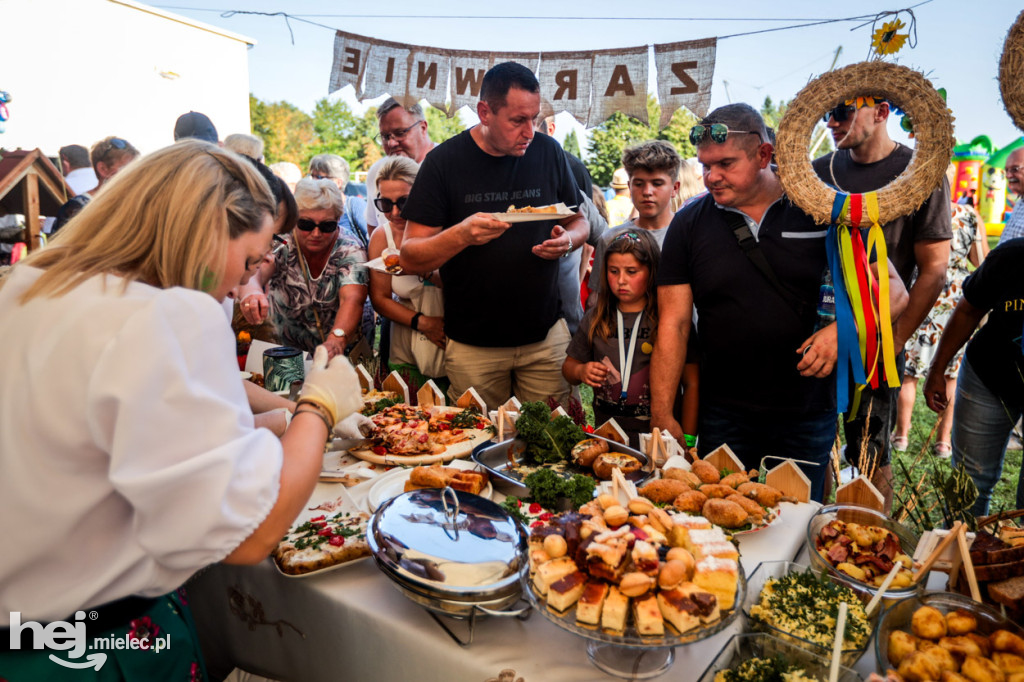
(440, 126)
(608, 140)
(773, 113)
(571, 144)
(286, 131)
(339, 131)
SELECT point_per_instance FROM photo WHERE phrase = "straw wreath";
(908, 89)
(1011, 72)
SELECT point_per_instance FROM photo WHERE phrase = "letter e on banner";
(620, 84)
(565, 84)
(468, 69)
(429, 77)
(685, 70)
(349, 62)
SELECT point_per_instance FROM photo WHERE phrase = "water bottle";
(826, 301)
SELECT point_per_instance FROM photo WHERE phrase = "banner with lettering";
(590, 85)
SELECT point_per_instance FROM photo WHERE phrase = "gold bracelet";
(319, 414)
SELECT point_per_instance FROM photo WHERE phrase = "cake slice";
(720, 550)
(718, 576)
(679, 610)
(707, 603)
(647, 616)
(566, 591)
(690, 522)
(588, 608)
(552, 571)
(613, 615)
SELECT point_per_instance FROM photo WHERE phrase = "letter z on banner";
(684, 76)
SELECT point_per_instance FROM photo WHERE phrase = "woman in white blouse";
(128, 455)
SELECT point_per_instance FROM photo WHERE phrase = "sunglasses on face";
(307, 225)
(840, 113)
(717, 132)
(385, 205)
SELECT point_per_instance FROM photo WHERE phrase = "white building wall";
(80, 70)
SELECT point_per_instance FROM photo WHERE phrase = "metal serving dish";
(497, 458)
(452, 552)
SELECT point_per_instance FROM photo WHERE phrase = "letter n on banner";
(350, 52)
(387, 71)
(619, 84)
(428, 77)
(565, 84)
(684, 76)
(468, 69)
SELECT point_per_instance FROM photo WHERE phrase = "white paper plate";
(392, 484)
(561, 211)
(324, 494)
(378, 265)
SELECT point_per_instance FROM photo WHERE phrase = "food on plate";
(805, 606)
(407, 430)
(640, 505)
(566, 591)
(586, 451)
(1004, 640)
(547, 440)
(901, 645)
(391, 264)
(679, 474)
(725, 513)
(663, 490)
(588, 608)
(928, 623)
(705, 471)
(765, 495)
(690, 501)
(616, 606)
(734, 479)
(532, 209)
(647, 616)
(718, 576)
(750, 506)
(865, 553)
(774, 669)
(609, 461)
(437, 476)
(374, 401)
(323, 541)
(918, 667)
(717, 490)
(942, 658)
(675, 572)
(551, 571)
(547, 488)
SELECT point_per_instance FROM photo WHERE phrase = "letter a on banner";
(350, 52)
(620, 84)
(684, 76)
(468, 69)
(387, 71)
(565, 84)
(428, 77)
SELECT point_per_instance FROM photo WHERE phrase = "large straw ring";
(933, 131)
(1011, 72)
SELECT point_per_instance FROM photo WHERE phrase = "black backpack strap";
(745, 238)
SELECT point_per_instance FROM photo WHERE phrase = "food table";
(353, 623)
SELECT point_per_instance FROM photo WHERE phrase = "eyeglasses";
(1014, 169)
(718, 132)
(839, 113)
(307, 225)
(384, 205)
(397, 135)
(320, 176)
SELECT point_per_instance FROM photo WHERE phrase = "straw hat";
(1011, 72)
(933, 130)
(620, 179)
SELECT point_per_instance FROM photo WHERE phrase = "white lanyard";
(626, 359)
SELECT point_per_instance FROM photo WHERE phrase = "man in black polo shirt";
(766, 384)
(501, 303)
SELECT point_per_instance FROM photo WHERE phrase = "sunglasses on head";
(840, 113)
(717, 132)
(384, 205)
(307, 225)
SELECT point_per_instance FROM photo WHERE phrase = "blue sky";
(958, 43)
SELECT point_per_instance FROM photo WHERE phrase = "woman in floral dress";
(969, 245)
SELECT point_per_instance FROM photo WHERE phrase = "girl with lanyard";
(611, 351)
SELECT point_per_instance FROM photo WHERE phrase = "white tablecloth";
(353, 624)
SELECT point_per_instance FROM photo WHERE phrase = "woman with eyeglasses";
(129, 459)
(314, 287)
(108, 157)
(395, 296)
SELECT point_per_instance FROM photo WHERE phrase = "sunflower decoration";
(864, 101)
(887, 40)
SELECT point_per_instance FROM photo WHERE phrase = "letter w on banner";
(684, 76)
(565, 84)
(468, 69)
(350, 52)
(620, 84)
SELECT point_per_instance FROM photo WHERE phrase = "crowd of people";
(701, 314)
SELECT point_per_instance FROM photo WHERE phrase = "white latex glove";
(334, 387)
(356, 425)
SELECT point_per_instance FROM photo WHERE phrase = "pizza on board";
(410, 430)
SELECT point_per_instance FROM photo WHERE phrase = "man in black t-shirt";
(865, 160)
(501, 300)
(990, 387)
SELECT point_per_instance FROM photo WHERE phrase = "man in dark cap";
(195, 124)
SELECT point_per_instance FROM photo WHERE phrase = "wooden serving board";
(458, 450)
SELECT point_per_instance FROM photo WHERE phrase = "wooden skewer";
(837, 645)
(926, 565)
(652, 446)
(876, 600)
(965, 555)
(501, 423)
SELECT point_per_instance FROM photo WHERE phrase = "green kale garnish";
(512, 505)
(547, 488)
(548, 440)
(381, 404)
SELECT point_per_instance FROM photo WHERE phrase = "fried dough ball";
(765, 495)
(749, 506)
(690, 501)
(941, 657)
(706, 471)
(901, 645)
(724, 513)
(664, 490)
(679, 474)
(735, 479)
(1007, 662)
(952, 677)
(984, 646)
(961, 646)
(717, 490)
(918, 667)
(928, 622)
(960, 622)
(1004, 640)
(978, 669)
(1015, 677)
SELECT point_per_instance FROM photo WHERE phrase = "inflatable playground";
(981, 178)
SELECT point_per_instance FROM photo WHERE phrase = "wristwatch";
(339, 332)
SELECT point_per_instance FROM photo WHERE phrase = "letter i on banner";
(350, 52)
(685, 70)
(387, 72)
(565, 79)
(619, 84)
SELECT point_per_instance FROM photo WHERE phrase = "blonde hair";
(165, 220)
(250, 145)
(315, 195)
(398, 168)
(691, 184)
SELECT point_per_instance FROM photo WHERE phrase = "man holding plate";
(502, 310)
